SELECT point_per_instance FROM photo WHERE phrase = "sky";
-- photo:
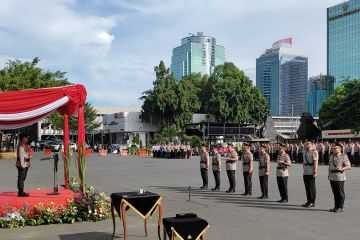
(112, 46)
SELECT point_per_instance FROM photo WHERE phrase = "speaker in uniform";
(338, 164)
(22, 164)
(204, 166)
(248, 168)
(283, 162)
(231, 167)
(216, 168)
(264, 170)
(310, 166)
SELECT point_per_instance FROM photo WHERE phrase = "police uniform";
(310, 158)
(22, 165)
(357, 153)
(337, 179)
(204, 166)
(264, 164)
(182, 150)
(230, 170)
(247, 160)
(188, 151)
(327, 153)
(216, 164)
(282, 175)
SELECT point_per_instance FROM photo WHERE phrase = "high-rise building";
(281, 76)
(343, 41)
(319, 89)
(197, 54)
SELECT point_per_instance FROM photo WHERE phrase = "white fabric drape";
(34, 113)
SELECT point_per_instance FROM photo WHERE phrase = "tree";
(188, 94)
(307, 129)
(18, 75)
(233, 97)
(161, 103)
(342, 109)
(90, 115)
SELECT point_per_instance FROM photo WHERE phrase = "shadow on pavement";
(235, 198)
(90, 236)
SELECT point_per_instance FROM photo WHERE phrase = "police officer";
(231, 167)
(283, 162)
(248, 167)
(22, 164)
(264, 170)
(310, 166)
(338, 164)
(204, 165)
(216, 168)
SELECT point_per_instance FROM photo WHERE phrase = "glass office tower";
(343, 41)
(197, 54)
(319, 89)
(281, 76)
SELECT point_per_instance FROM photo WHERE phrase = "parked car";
(55, 146)
(73, 146)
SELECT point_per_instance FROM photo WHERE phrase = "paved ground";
(230, 216)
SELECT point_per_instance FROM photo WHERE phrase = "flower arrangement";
(91, 206)
(12, 219)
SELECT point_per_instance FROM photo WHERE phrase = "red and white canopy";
(25, 107)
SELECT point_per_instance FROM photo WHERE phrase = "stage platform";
(10, 199)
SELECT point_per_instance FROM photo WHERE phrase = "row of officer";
(338, 164)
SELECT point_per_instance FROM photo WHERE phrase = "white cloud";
(112, 46)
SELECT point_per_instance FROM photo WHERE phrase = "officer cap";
(282, 145)
(338, 144)
(263, 146)
(246, 144)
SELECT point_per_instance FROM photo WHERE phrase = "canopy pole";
(81, 145)
(66, 150)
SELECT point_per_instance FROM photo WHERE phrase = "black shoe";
(310, 205)
(265, 197)
(283, 201)
(336, 210)
(230, 191)
(244, 194)
(23, 194)
(305, 205)
(215, 189)
(204, 187)
(261, 197)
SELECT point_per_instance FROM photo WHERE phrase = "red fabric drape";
(66, 148)
(27, 100)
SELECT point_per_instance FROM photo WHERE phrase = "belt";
(230, 162)
(246, 163)
(283, 168)
(336, 171)
(309, 164)
(214, 164)
(261, 167)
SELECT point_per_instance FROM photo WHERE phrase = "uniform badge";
(189, 237)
